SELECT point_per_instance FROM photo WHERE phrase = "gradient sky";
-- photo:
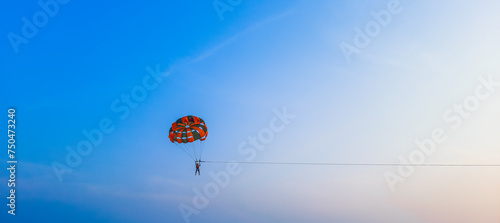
(234, 71)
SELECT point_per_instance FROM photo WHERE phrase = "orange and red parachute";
(188, 133)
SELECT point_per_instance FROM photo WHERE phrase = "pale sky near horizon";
(429, 67)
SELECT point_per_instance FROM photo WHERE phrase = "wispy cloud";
(252, 28)
(213, 49)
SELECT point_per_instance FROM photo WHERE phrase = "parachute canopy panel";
(188, 129)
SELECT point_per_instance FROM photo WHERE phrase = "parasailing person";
(189, 134)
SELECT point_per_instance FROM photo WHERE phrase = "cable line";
(363, 164)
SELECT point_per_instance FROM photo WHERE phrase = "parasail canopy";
(188, 133)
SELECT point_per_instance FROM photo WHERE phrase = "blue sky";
(237, 72)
